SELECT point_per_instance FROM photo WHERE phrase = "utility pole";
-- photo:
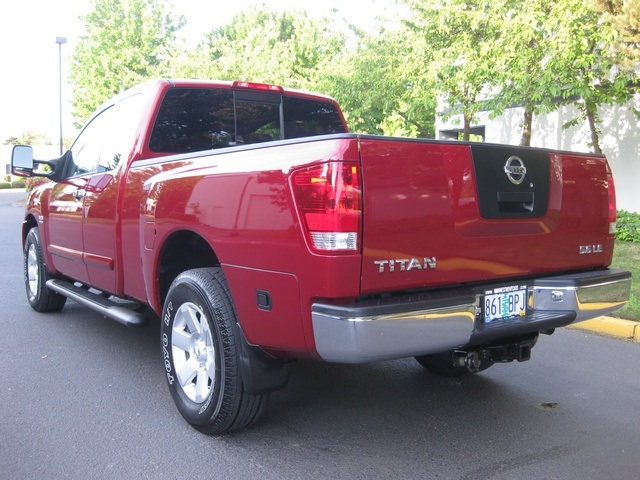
(60, 41)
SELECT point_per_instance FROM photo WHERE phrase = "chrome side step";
(110, 309)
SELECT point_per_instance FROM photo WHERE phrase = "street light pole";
(60, 41)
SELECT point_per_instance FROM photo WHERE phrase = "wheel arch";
(182, 250)
(186, 250)
(28, 223)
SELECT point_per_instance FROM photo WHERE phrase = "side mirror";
(24, 165)
(22, 161)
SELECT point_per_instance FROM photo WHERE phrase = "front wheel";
(202, 354)
(36, 275)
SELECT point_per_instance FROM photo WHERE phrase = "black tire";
(442, 364)
(202, 355)
(36, 275)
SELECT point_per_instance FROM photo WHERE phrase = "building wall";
(619, 140)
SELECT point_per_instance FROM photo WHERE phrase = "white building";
(619, 139)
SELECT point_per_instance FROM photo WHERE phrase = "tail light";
(329, 200)
(612, 202)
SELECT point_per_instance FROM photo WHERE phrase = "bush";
(33, 182)
(628, 226)
(7, 178)
(18, 184)
(4, 185)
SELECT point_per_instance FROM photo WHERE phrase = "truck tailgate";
(450, 213)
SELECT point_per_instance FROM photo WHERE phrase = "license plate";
(505, 302)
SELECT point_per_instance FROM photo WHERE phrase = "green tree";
(125, 42)
(554, 53)
(285, 48)
(458, 38)
(521, 52)
(591, 76)
(29, 138)
(500, 53)
(624, 16)
(380, 87)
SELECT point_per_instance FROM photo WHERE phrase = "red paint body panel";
(99, 231)
(248, 218)
(421, 200)
(64, 229)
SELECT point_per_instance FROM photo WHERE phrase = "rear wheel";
(36, 275)
(442, 364)
(202, 354)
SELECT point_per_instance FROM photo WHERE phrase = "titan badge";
(405, 264)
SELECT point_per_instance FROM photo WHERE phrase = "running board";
(100, 304)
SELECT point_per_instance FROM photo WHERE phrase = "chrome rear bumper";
(421, 324)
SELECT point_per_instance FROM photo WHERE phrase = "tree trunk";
(527, 121)
(466, 134)
(591, 118)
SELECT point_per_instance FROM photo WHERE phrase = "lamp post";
(60, 41)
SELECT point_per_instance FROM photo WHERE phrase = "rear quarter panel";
(240, 202)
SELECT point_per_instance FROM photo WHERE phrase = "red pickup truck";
(249, 222)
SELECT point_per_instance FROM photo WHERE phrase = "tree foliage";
(285, 48)
(469, 54)
(459, 38)
(538, 43)
(29, 138)
(381, 91)
(624, 17)
(536, 54)
(595, 77)
(125, 42)
(520, 52)
(378, 90)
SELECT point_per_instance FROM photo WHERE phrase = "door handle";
(79, 194)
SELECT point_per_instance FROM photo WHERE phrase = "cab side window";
(120, 133)
(108, 138)
(85, 151)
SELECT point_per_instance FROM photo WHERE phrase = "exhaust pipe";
(469, 360)
(472, 360)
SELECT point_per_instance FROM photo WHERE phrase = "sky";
(29, 80)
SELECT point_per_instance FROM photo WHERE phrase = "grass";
(627, 255)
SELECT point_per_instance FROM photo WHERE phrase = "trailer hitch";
(472, 360)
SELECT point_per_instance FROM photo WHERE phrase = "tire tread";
(45, 300)
(238, 409)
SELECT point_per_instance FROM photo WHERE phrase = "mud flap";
(261, 373)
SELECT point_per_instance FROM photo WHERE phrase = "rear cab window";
(196, 119)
